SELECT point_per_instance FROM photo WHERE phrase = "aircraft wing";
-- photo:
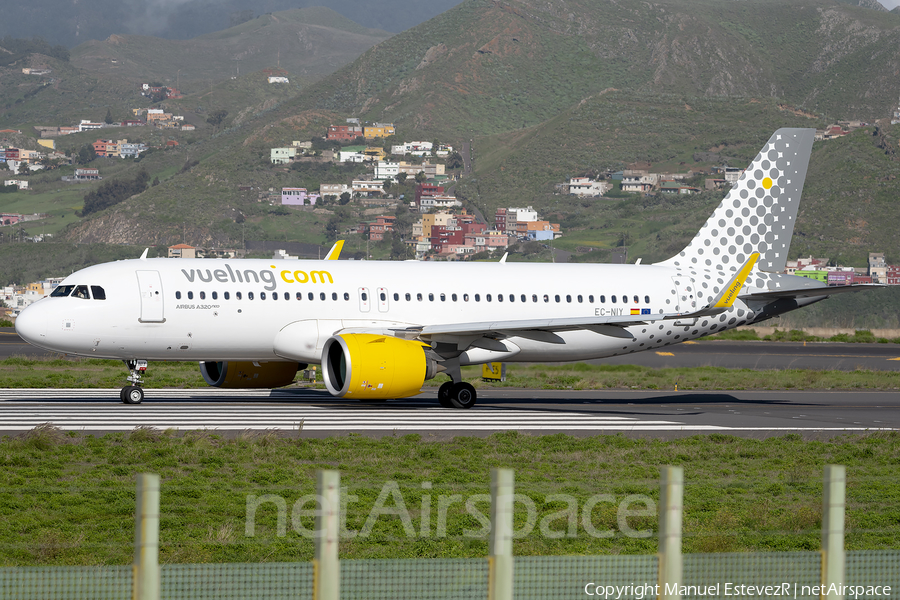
(810, 292)
(606, 325)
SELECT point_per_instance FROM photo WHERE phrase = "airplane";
(381, 329)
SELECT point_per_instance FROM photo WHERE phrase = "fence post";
(500, 561)
(833, 501)
(326, 567)
(145, 568)
(671, 500)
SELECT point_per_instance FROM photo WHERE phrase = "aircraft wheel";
(463, 395)
(132, 394)
(444, 393)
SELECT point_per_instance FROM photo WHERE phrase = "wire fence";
(870, 575)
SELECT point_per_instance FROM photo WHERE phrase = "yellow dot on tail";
(767, 182)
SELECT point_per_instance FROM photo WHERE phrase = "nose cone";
(31, 325)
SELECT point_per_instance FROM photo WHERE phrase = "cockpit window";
(62, 291)
(98, 292)
(81, 291)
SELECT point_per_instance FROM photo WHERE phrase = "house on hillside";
(182, 251)
(585, 186)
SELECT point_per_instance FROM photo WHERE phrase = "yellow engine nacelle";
(375, 367)
(245, 374)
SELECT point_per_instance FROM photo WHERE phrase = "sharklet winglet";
(335, 251)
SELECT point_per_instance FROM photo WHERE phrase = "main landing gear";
(134, 394)
(457, 395)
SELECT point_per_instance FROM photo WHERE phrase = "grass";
(860, 336)
(68, 499)
(43, 372)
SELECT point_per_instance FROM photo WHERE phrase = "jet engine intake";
(375, 367)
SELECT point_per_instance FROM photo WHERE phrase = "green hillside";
(543, 96)
(308, 42)
(486, 67)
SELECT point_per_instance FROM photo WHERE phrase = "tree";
(401, 178)
(86, 154)
(386, 186)
(216, 117)
(421, 177)
(345, 198)
(454, 160)
(332, 227)
(108, 119)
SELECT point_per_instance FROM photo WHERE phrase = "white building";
(585, 186)
(19, 183)
(278, 80)
(386, 170)
(281, 156)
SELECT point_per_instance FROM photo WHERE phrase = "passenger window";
(546, 298)
(396, 296)
(203, 295)
(62, 291)
(98, 292)
(321, 295)
(499, 297)
(443, 297)
(477, 297)
(646, 299)
(534, 297)
(453, 297)
(512, 297)
(580, 299)
(419, 297)
(636, 300)
(249, 295)
(274, 295)
(334, 296)
(431, 297)
(299, 295)
(346, 296)
(287, 296)
(524, 298)
(408, 296)
(262, 295)
(487, 297)
(311, 296)
(190, 295)
(602, 299)
(215, 295)
(177, 294)
(465, 297)
(612, 299)
(238, 295)
(364, 296)
(591, 298)
(226, 295)
(556, 297)
(568, 297)
(383, 296)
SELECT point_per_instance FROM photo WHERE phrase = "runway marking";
(665, 354)
(306, 410)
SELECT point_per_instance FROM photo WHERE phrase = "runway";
(299, 412)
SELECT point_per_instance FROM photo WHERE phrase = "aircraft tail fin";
(759, 212)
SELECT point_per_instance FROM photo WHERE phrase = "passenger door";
(150, 287)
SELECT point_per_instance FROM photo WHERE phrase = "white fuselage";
(205, 309)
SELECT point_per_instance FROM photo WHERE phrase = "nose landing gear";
(134, 394)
